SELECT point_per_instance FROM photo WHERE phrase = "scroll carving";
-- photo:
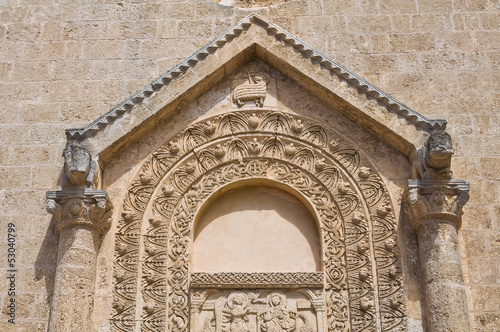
(357, 225)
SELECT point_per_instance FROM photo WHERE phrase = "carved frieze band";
(357, 224)
(257, 280)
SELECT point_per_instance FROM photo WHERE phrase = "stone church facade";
(250, 166)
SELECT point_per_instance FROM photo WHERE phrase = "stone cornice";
(87, 207)
(307, 51)
(432, 199)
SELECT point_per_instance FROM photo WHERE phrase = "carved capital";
(89, 207)
(434, 199)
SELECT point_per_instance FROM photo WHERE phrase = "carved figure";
(434, 158)
(254, 90)
(277, 318)
(231, 314)
(78, 166)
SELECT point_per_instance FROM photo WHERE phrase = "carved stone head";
(78, 166)
(439, 149)
(434, 158)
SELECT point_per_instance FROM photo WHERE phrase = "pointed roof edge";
(316, 57)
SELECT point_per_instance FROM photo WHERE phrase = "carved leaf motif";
(356, 261)
(122, 321)
(139, 195)
(329, 176)
(275, 123)
(127, 241)
(348, 157)
(154, 322)
(158, 236)
(128, 261)
(372, 191)
(181, 179)
(347, 203)
(126, 289)
(157, 262)
(273, 148)
(158, 168)
(209, 159)
(157, 290)
(164, 206)
(315, 134)
(236, 150)
(382, 228)
(194, 137)
(164, 156)
(304, 158)
(233, 123)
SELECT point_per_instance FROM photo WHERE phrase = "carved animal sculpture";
(434, 158)
(78, 166)
(253, 90)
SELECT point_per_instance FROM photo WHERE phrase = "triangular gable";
(255, 37)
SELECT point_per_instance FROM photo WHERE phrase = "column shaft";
(442, 280)
(72, 301)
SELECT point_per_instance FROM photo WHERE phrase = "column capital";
(87, 207)
(436, 199)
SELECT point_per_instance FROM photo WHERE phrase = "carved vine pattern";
(353, 205)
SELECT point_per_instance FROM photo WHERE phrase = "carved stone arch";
(358, 228)
(168, 178)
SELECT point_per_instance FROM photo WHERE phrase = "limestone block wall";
(64, 63)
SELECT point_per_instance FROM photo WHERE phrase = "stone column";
(81, 218)
(435, 208)
(82, 215)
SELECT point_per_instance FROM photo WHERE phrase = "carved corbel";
(433, 194)
(433, 159)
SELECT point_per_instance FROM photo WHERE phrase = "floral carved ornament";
(362, 281)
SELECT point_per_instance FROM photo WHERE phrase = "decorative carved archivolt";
(362, 287)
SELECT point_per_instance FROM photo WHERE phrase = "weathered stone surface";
(434, 206)
(58, 70)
